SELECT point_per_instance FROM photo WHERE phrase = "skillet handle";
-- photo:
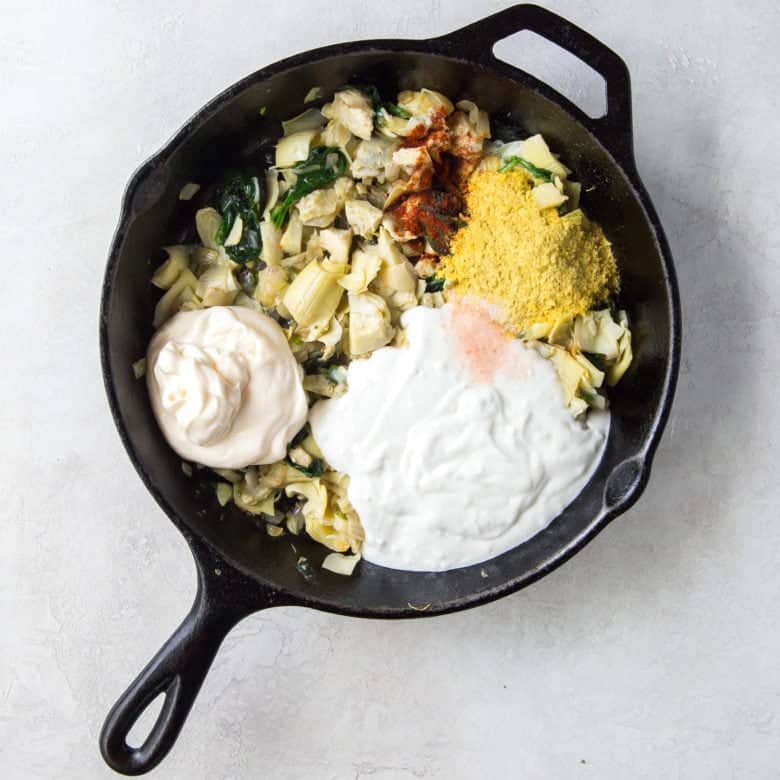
(476, 41)
(177, 672)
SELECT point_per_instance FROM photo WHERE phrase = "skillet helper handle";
(476, 41)
(177, 672)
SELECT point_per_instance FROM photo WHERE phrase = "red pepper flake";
(432, 214)
(437, 120)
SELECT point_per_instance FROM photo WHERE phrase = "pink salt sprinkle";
(483, 342)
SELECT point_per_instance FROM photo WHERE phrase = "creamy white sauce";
(225, 388)
(447, 470)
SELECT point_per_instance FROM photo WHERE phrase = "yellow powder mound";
(537, 266)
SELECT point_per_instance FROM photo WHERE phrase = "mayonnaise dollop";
(450, 466)
(225, 387)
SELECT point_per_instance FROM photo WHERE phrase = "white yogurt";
(446, 468)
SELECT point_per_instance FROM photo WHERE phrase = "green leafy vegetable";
(315, 469)
(319, 170)
(434, 284)
(390, 109)
(513, 162)
(241, 196)
(396, 110)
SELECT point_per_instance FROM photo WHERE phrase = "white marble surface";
(653, 653)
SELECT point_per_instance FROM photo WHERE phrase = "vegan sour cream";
(225, 387)
(450, 464)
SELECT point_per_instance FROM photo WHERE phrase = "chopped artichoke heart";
(331, 338)
(230, 475)
(363, 217)
(300, 456)
(319, 385)
(365, 267)
(399, 278)
(615, 372)
(271, 285)
(547, 195)
(570, 372)
(207, 223)
(396, 192)
(178, 261)
(337, 244)
(315, 512)
(168, 305)
(224, 492)
(353, 109)
(536, 152)
(188, 191)
(369, 323)
(311, 446)
(597, 332)
(294, 148)
(242, 299)
(272, 193)
(294, 523)
(424, 102)
(388, 249)
(595, 376)
(374, 159)
(320, 208)
(395, 126)
(236, 231)
(539, 330)
(561, 332)
(271, 237)
(291, 241)
(315, 93)
(341, 564)
(477, 118)
(257, 500)
(314, 295)
(338, 135)
(217, 286)
(311, 119)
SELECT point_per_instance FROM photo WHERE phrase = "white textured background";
(654, 653)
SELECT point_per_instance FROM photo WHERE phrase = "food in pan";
(396, 339)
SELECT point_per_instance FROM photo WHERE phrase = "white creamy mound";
(447, 470)
(224, 386)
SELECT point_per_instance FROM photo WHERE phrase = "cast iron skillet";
(241, 569)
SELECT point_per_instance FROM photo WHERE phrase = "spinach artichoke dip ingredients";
(225, 387)
(446, 469)
(396, 308)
